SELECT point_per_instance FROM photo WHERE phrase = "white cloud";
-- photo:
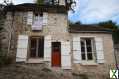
(91, 11)
(19, 1)
(22, 1)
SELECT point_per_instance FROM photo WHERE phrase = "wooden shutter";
(45, 18)
(99, 50)
(65, 55)
(76, 50)
(47, 48)
(22, 45)
(61, 2)
(30, 18)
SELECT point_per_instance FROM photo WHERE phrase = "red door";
(56, 54)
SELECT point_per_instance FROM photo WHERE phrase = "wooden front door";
(56, 54)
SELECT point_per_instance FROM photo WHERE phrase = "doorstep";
(35, 61)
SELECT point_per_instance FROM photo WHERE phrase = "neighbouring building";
(42, 34)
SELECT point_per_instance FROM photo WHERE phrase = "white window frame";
(93, 50)
(37, 18)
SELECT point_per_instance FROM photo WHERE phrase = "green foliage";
(115, 28)
(4, 59)
(77, 23)
(39, 2)
(109, 24)
(116, 36)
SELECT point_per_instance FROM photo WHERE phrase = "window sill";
(89, 63)
(35, 60)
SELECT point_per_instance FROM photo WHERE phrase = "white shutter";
(65, 55)
(76, 50)
(61, 2)
(99, 50)
(45, 18)
(22, 45)
(47, 48)
(30, 18)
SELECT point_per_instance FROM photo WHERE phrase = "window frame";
(52, 2)
(37, 15)
(93, 48)
(37, 47)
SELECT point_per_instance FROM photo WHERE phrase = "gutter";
(90, 32)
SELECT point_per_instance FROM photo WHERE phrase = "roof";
(76, 28)
(35, 7)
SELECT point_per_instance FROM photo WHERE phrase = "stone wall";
(58, 27)
(98, 71)
(16, 24)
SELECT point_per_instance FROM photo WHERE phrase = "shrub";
(4, 59)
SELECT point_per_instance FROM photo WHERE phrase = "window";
(37, 22)
(87, 48)
(51, 2)
(56, 2)
(37, 47)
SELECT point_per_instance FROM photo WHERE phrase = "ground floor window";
(87, 48)
(37, 47)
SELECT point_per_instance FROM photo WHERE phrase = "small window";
(37, 47)
(87, 48)
(56, 2)
(37, 22)
(51, 2)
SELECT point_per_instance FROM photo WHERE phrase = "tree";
(115, 29)
(39, 2)
(109, 24)
(4, 58)
(1, 25)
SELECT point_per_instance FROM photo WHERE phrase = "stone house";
(43, 35)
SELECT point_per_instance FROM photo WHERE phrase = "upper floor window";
(37, 21)
(51, 2)
(87, 48)
(56, 2)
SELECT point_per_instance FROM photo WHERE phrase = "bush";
(4, 59)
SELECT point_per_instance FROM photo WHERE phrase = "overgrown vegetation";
(109, 24)
(4, 59)
(1, 28)
(39, 2)
(115, 29)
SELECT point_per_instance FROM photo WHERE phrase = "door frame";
(52, 53)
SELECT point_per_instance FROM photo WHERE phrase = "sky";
(90, 11)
